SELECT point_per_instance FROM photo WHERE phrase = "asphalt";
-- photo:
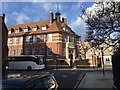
(96, 80)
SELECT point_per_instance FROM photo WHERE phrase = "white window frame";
(49, 37)
(27, 40)
(34, 29)
(20, 40)
(9, 32)
(44, 27)
(64, 28)
(8, 41)
(14, 40)
(17, 30)
(25, 29)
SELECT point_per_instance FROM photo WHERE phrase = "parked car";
(30, 82)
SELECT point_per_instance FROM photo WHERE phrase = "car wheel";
(29, 68)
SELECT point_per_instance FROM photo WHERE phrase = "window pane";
(34, 38)
(42, 38)
(9, 32)
(14, 40)
(17, 31)
(27, 51)
(34, 29)
(44, 27)
(63, 28)
(49, 37)
(20, 51)
(25, 29)
(42, 51)
(13, 52)
(8, 40)
(34, 51)
(20, 40)
(27, 39)
(50, 51)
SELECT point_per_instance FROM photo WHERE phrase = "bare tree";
(103, 20)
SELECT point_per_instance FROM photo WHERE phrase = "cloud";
(79, 27)
(76, 6)
(21, 17)
(50, 0)
(46, 6)
(76, 23)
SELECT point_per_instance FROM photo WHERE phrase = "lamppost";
(57, 57)
(102, 59)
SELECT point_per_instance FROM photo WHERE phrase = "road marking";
(79, 80)
(64, 76)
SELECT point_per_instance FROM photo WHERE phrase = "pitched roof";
(54, 27)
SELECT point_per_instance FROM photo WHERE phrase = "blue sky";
(22, 12)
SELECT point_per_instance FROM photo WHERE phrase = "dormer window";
(44, 27)
(9, 32)
(63, 28)
(34, 29)
(25, 29)
(17, 30)
(67, 30)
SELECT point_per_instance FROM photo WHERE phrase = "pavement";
(95, 80)
(85, 69)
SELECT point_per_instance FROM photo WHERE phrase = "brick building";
(92, 57)
(52, 38)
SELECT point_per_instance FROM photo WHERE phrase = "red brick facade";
(47, 37)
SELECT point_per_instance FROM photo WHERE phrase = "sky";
(23, 12)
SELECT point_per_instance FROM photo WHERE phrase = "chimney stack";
(64, 20)
(51, 17)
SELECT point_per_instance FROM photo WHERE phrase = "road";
(65, 78)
